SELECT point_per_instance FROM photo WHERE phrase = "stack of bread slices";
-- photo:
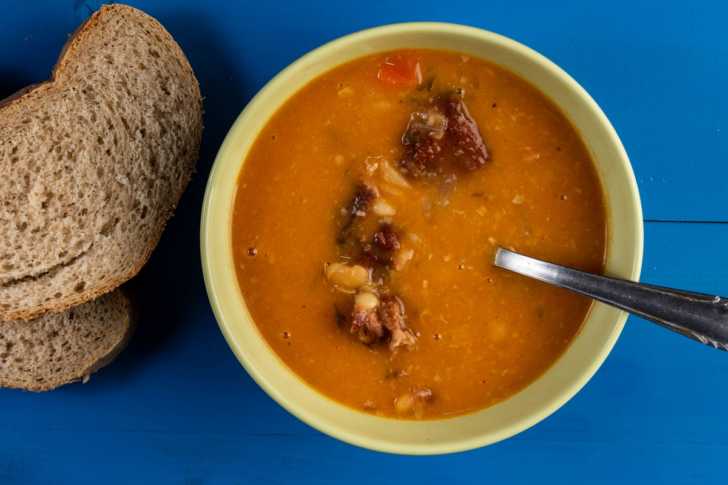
(92, 165)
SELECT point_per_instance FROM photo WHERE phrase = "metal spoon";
(696, 315)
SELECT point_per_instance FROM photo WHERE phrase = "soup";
(367, 216)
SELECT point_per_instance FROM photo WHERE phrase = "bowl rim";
(207, 234)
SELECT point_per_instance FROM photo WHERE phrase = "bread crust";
(111, 282)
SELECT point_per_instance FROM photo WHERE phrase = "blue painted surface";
(176, 407)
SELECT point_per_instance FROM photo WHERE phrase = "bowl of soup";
(352, 215)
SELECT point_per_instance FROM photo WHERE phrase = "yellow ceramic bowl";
(524, 409)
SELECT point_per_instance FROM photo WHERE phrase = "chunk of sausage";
(422, 140)
(383, 246)
(361, 200)
(364, 194)
(468, 147)
(394, 319)
(442, 133)
(377, 319)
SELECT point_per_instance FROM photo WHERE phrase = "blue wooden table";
(176, 407)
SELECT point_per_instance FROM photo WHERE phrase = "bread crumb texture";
(59, 348)
(93, 163)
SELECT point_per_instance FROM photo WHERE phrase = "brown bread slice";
(93, 162)
(59, 348)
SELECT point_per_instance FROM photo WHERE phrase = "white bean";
(392, 175)
(345, 276)
(403, 257)
(405, 403)
(366, 301)
(383, 208)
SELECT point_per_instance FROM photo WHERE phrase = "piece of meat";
(366, 326)
(383, 246)
(363, 240)
(361, 200)
(468, 147)
(393, 317)
(386, 238)
(442, 133)
(422, 141)
(376, 319)
(364, 194)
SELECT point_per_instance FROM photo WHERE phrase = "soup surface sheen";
(481, 334)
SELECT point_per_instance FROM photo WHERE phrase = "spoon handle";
(696, 315)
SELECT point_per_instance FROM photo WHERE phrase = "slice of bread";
(58, 348)
(93, 162)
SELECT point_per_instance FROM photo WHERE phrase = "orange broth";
(483, 334)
